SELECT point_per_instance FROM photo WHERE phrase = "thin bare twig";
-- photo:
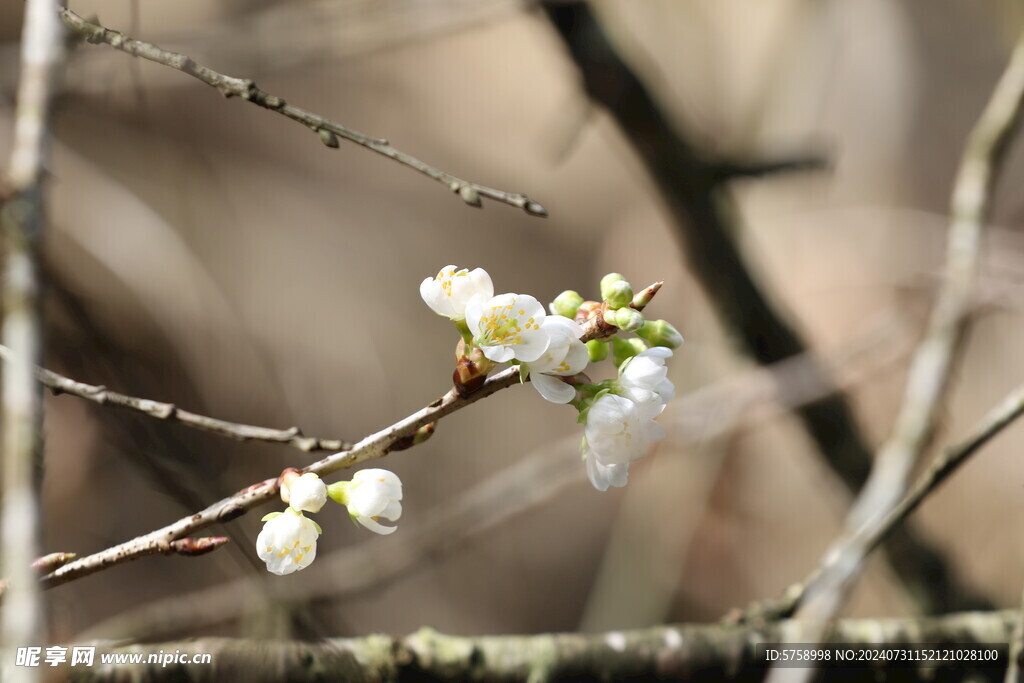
(850, 555)
(293, 436)
(933, 361)
(374, 446)
(329, 131)
(21, 220)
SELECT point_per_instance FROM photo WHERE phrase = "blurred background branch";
(21, 222)
(691, 185)
(934, 358)
(160, 410)
(847, 556)
(329, 131)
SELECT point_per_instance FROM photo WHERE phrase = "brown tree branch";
(675, 652)
(329, 131)
(374, 446)
(21, 223)
(101, 395)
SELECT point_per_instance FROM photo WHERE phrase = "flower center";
(499, 326)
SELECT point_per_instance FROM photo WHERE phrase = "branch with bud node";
(101, 395)
(288, 541)
(328, 131)
(193, 547)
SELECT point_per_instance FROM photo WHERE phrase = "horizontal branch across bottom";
(708, 651)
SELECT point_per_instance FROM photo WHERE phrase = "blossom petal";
(576, 359)
(531, 347)
(392, 512)
(603, 476)
(562, 326)
(552, 388)
(499, 354)
(474, 310)
(376, 527)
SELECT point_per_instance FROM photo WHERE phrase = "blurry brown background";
(206, 252)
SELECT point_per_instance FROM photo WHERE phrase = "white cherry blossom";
(308, 492)
(507, 327)
(614, 430)
(647, 371)
(372, 494)
(565, 356)
(287, 542)
(643, 379)
(449, 292)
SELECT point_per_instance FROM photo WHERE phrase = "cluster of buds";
(287, 542)
(547, 347)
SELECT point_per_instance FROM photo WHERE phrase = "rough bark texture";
(694, 652)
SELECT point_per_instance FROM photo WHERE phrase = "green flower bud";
(598, 350)
(626, 319)
(661, 333)
(611, 278)
(566, 303)
(624, 349)
(613, 292)
(618, 294)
